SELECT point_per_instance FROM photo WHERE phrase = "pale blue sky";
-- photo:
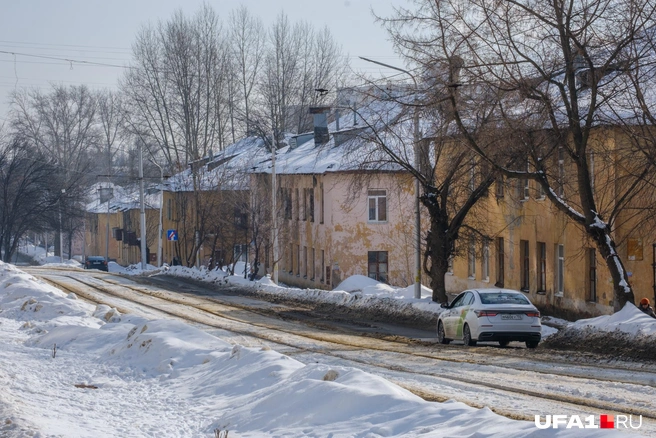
(102, 31)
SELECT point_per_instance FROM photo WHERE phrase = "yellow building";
(123, 234)
(536, 248)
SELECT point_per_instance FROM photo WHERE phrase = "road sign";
(172, 235)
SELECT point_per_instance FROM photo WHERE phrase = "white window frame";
(560, 270)
(471, 255)
(472, 175)
(313, 264)
(485, 264)
(321, 205)
(323, 266)
(526, 185)
(591, 169)
(375, 196)
(561, 172)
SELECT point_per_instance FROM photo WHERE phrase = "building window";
(591, 170)
(287, 202)
(526, 184)
(298, 260)
(305, 262)
(525, 263)
(542, 267)
(240, 252)
(560, 269)
(485, 263)
(298, 205)
(291, 258)
(592, 274)
(169, 209)
(241, 218)
(321, 203)
(378, 265)
(472, 174)
(304, 215)
(311, 204)
(500, 263)
(561, 171)
(377, 206)
(499, 186)
(471, 252)
(323, 263)
(312, 267)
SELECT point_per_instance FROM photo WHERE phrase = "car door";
(461, 312)
(451, 315)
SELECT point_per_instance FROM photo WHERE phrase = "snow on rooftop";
(125, 198)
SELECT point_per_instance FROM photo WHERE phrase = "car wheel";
(441, 337)
(532, 344)
(466, 336)
(504, 343)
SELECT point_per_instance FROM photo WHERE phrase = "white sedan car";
(500, 315)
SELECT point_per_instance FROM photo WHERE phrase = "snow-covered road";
(512, 382)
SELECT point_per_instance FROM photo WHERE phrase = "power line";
(69, 60)
(63, 45)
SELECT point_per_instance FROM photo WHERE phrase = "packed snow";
(71, 369)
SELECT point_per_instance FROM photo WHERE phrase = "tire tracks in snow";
(398, 353)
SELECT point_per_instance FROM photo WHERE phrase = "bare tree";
(298, 62)
(550, 73)
(174, 87)
(111, 117)
(25, 203)
(61, 125)
(247, 38)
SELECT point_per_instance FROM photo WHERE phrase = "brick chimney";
(320, 113)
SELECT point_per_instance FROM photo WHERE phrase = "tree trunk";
(622, 290)
(437, 251)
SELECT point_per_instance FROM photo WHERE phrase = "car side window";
(468, 300)
(458, 301)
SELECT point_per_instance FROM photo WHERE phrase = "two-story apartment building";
(122, 213)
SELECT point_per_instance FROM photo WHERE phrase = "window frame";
(560, 270)
(471, 257)
(381, 259)
(501, 265)
(376, 195)
(542, 267)
(525, 273)
(485, 262)
(591, 282)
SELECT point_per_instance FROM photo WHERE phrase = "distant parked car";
(500, 315)
(96, 262)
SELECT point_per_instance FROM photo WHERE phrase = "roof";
(224, 171)
(351, 147)
(125, 198)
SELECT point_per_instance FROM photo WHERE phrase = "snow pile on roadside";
(138, 377)
(629, 320)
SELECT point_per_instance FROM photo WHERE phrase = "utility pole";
(106, 194)
(161, 203)
(143, 208)
(274, 212)
(61, 230)
(417, 185)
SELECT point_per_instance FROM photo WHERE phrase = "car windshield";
(504, 298)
